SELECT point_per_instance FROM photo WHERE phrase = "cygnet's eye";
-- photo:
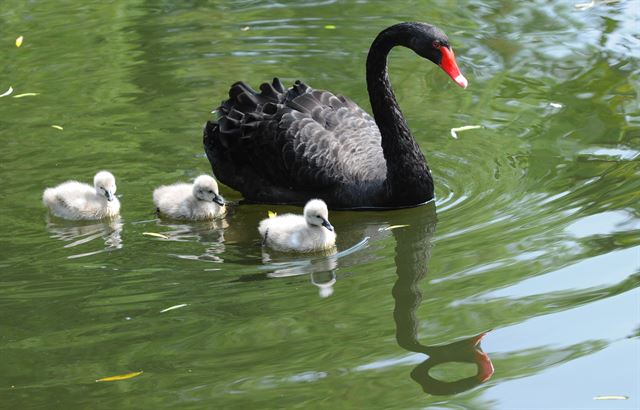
(210, 191)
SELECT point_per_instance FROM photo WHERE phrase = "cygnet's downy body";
(78, 201)
(300, 233)
(197, 202)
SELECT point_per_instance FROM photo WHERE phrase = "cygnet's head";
(205, 188)
(317, 214)
(105, 184)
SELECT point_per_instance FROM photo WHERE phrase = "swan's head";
(317, 214)
(205, 188)
(431, 43)
(105, 184)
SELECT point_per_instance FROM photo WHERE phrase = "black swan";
(289, 146)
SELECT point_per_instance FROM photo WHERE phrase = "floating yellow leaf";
(610, 398)
(330, 27)
(25, 95)
(120, 377)
(58, 127)
(174, 307)
(388, 228)
(8, 92)
(272, 214)
(155, 234)
(19, 41)
(454, 131)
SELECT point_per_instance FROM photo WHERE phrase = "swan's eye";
(436, 44)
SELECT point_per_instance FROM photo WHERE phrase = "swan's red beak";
(448, 64)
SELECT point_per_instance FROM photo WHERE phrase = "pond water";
(533, 240)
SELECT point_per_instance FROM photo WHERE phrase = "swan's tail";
(247, 108)
(245, 116)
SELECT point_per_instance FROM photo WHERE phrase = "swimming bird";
(298, 233)
(198, 201)
(288, 146)
(78, 201)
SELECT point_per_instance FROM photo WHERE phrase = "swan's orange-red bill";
(449, 65)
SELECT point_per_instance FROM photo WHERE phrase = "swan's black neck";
(408, 177)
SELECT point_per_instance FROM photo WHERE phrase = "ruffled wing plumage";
(280, 145)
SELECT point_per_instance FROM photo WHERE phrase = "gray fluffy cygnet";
(298, 233)
(79, 201)
(197, 201)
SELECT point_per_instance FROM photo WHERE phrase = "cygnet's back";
(197, 201)
(78, 201)
(297, 233)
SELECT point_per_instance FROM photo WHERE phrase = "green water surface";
(534, 237)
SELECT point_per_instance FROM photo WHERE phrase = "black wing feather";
(283, 143)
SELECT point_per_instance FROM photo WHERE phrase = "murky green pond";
(534, 238)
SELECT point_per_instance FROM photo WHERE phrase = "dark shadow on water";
(413, 251)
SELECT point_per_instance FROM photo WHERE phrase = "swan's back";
(289, 146)
(172, 196)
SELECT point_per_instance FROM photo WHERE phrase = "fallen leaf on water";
(19, 41)
(330, 27)
(388, 228)
(454, 131)
(610, 398)
(155, 234)
(25, 95)
(58, 127)
(8, 92)
(585, 6)
(120, 377)
(272, 214)
(174, 307)
(245, 28)
(555, 105)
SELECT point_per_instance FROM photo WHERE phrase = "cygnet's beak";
(109, 195)
(327, 225)
(218, 199)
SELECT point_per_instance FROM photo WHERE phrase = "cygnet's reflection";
(210, 233)
(107, 233)
(320, 268)
(413, 250)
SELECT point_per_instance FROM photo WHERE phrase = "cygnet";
(298, 233)
(197, 201)
(78, 201)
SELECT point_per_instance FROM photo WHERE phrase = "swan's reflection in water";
(413, 250)
(210, 233)
(82, 234)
